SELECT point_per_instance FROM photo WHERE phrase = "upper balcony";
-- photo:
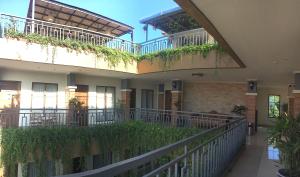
(43, 42)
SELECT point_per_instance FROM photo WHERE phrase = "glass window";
(274, 106)
(44, 95)
(147, 99)
(105, 97)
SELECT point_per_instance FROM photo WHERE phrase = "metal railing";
(206, 154)
(58, 117)
(89, 117)
(63, 32)
(181, 118)
(185, 38)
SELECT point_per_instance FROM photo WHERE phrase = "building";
(61, 52)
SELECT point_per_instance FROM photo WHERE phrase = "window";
(105, 97)
(78, 164)
(274, 106)
(102, 159)
(147, 99)
(44, 95)
(48, 169)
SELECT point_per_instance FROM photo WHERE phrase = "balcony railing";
(185, 38)
(64, 32)
(91, 117)
(58, 117)
(206, 154)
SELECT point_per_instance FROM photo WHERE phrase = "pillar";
(177, 97)
(70, 94)
(296, 95)
(251, 102)
(161, 96)
(125, 98)
(291, 87)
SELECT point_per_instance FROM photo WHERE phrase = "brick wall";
(206, 97)
(296, 104)
(251, 102)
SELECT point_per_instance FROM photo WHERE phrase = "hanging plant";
(112, 56)
(58, 142)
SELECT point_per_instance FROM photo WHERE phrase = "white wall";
(27, 78)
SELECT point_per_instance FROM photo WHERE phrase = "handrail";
(55, 24)
(191, 112)
(191, 37)
(62, 32)
(122, 166)
(172, 35)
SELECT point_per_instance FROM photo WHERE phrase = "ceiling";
(264, 34)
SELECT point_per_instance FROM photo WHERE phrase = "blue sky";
(126, 11)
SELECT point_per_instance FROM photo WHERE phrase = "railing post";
(1, 26)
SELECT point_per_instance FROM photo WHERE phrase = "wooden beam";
(202, 19)
(57, 11)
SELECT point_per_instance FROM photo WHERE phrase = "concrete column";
(251, 102)
(161, 96)
(125, 97)
(177, 99)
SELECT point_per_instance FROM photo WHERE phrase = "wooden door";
(81, 93)
(9, 103)
(168, 100)
(133, 98)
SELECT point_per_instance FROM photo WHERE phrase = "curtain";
(110, 97)
(100, 97)
(105, 97)
(44, 96)
(37, 100)
(50, 96)
(147, 99)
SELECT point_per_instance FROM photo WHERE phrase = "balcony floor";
(257, 160)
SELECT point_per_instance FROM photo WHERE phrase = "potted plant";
(78, 114)
(239, 110)
(285, 135)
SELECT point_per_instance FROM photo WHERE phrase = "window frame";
(272, 117)
(44, 95)
(147, 91)
(105, 97)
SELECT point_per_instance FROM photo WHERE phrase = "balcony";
(50, 43)
(159, 142)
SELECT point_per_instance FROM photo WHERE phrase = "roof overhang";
(172, 21)
(61, 13)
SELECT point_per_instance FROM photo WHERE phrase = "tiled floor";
(258, 160)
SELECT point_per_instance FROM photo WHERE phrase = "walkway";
(257, 160)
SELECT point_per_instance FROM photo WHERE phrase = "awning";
(61, 13)
(171, 21)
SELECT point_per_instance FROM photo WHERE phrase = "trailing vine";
(112, 56)
(169, 56)
(40, 144)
